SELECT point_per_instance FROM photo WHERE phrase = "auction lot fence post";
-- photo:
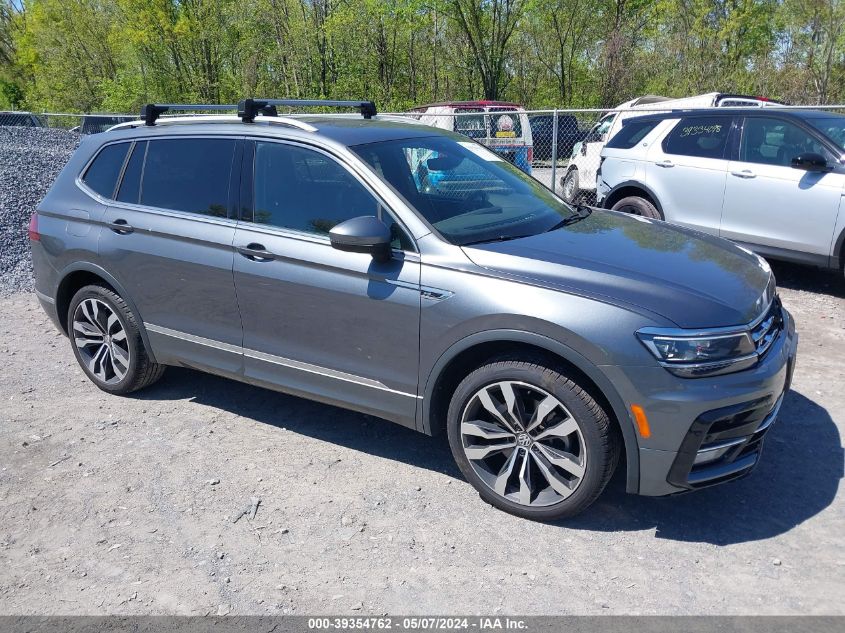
(562, 141)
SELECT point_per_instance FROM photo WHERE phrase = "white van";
(500, 125)
(579, 181)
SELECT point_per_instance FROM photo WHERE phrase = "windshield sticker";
(476, 149)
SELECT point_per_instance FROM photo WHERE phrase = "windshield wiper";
(583, 211)
(498, 238)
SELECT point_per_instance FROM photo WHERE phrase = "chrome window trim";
(313, 238)
(277, 360)
(110, 202)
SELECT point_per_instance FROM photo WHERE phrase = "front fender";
(557, 348)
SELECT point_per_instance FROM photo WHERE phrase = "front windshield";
(832, 127)
(468, 193)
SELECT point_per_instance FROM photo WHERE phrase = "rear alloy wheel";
(569, 187)
(635, 205)
(531, 441)
(101, 340)
(107, 342)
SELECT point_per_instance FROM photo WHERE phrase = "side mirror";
(811, 161)
(364, 234)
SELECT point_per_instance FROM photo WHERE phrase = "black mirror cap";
(364, 234)
(810, 161)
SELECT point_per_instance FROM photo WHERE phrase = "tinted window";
(631, 134)
(706, 137)
(297, 188)
(189, 175)
(473, 126)
(832, 126)
(103, 173)
(775, 142)
(130, 186)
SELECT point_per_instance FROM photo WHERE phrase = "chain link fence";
(561, 148)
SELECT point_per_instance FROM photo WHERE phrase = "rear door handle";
(745, 173)
(665, 163)
(120, 226)
(256, 252)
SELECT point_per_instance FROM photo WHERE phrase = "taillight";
(530, 155)
(34, 235)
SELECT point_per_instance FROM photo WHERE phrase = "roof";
(468, 104)
(750, 111)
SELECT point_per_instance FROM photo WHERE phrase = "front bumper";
(706, 431)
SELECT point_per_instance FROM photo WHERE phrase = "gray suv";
(412, 274)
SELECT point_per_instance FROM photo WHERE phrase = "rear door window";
(189, 174)
(101, 176)
(703, 137)
(505, 123)
(470, 124)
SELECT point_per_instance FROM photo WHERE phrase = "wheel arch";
(631, 188)
(468, 353)
(81, 274)
(838, 254)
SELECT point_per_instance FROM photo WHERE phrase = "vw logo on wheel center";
(523, 439)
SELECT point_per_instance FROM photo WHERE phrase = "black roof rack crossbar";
(249, 108)
(153, 111)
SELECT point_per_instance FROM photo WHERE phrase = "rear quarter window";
(102, 174)
(631, 134)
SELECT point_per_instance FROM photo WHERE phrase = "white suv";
(579, 181)
(772, 180)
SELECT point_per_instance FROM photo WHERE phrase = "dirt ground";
(115, 505)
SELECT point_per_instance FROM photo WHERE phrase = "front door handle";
(256, 252)
(120, 226)
(665, 163)
(745, 173)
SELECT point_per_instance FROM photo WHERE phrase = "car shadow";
(797, 478)
(808, 278)
(353, 430)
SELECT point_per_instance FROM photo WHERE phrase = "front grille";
(766, 332)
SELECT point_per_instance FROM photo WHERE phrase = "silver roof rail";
(217, 118)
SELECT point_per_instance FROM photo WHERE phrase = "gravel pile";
(30, 159)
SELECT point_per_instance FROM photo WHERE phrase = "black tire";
(635, 205)
(600, 440)
(570, 188)
(141, 371)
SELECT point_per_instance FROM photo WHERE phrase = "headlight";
(695, 356)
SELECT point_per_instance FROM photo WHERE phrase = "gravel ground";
(30, 159)
(126, 505)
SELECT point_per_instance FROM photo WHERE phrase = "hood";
(691, 278)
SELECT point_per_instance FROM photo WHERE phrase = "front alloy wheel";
(530, 439)
(523, 443)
